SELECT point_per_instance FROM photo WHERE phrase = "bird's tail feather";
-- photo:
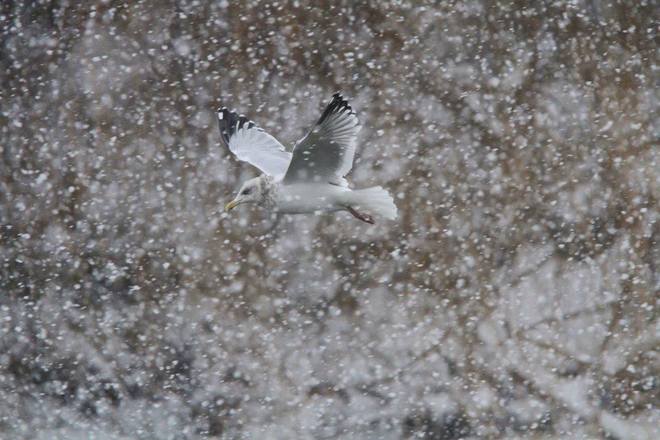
(375, 200)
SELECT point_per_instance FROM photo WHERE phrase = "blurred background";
(515, 297)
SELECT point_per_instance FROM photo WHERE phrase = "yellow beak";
(231, 205)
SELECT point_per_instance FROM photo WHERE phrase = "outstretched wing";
(251, 144)
(326, 153)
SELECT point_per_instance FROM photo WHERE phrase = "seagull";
(310, 178)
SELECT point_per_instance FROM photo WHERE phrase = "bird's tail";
(375, 200)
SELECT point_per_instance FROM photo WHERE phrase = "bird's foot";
(358, 215)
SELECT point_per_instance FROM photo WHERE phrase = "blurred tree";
(516, 296)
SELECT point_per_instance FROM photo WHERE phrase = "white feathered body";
(303, 198)
(309, 197)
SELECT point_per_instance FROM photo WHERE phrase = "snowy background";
(516, 297)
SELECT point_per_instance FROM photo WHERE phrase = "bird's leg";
(364, 217)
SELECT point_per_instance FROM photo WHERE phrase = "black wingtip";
(338, 105)
(230, 121)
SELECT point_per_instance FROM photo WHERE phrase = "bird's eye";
(246, 191)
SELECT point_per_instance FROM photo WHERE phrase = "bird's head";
(250, 192)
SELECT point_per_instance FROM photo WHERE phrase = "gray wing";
(251, 144)
(326, 153)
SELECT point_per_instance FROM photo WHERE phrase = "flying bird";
(310, 178)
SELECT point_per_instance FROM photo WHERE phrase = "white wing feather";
(251, 144)
(326, 153)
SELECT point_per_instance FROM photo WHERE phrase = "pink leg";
(364, 217)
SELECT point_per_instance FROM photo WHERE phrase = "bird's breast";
(309, 197)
